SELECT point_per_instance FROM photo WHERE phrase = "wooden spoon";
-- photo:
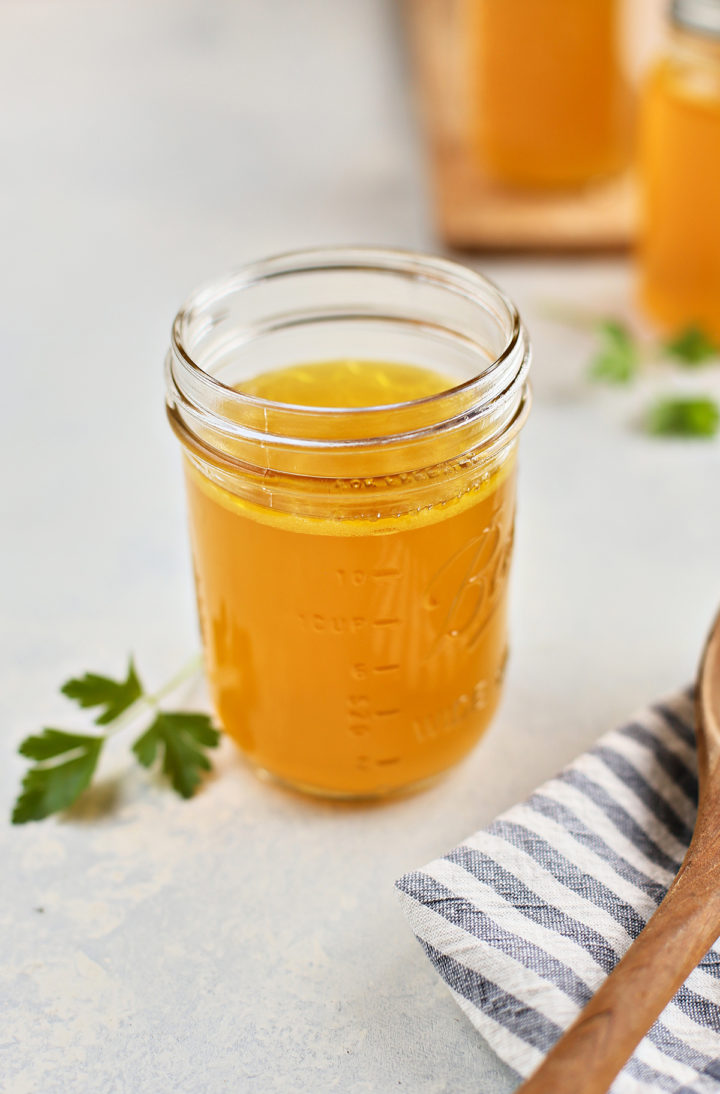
(590, 1054)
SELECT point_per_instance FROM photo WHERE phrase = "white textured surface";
(249, 940)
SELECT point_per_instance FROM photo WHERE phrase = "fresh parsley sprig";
(684, 416)
(65, 762)
(691, 346)
(620, 355)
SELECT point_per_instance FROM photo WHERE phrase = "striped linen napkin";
(525, 919)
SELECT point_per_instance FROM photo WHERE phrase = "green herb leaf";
(48, 788)
(116, 696)
(53, 742)
(691, 345)
(181, 737)
(65, 762)
(618, 357)
(685, 416)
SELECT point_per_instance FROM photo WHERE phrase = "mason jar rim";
(501, 376)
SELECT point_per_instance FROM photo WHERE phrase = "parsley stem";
(174, 741)
(188, 670)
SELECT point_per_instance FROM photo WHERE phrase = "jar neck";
(359, 304)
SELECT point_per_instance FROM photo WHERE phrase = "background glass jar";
(551, 100)
(680, 173)
(351, 550)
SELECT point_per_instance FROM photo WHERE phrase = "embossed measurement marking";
(332, 624)
(445, 720)
(361, 714)
(462, 594)
(356, 578)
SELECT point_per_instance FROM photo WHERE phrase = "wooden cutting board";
(470, 211)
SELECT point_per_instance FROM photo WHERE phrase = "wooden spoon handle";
(595, 1048)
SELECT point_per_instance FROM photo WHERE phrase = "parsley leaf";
(65, 762)
(116, 696)
(182, 737)
(49, 787)
(618, 356)
(691, 345)
(685, 416)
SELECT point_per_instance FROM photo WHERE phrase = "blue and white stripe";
(525, 919)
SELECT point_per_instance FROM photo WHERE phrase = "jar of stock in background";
(349, 421)
(551, 100)
(680, 173)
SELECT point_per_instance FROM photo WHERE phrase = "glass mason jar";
(351, 548)
(680, 174)
(551, 102)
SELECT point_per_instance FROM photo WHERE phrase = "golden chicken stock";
(355, 656)
(680, 175)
